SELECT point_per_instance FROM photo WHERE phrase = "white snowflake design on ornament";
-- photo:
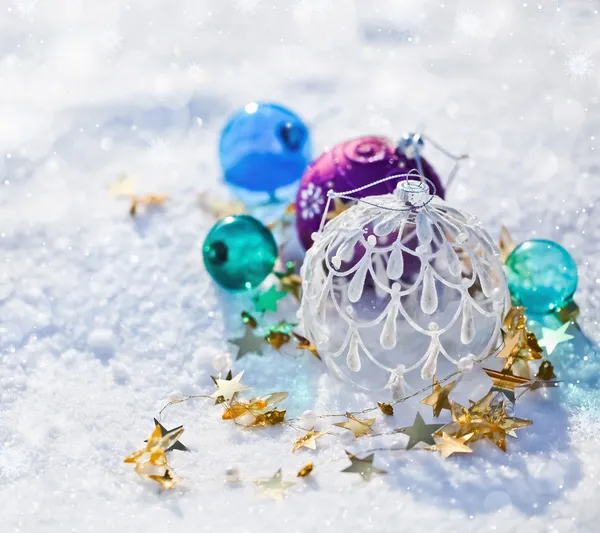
(404, 287)
(311, 201)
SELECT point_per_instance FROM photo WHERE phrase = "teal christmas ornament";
(264, 147)
(239, 253)
(541, 275)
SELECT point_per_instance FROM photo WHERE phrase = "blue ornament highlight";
(541, 275)
(264, 147)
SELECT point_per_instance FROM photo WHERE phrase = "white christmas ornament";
(400, 287)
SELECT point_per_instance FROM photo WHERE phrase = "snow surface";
(101, 316)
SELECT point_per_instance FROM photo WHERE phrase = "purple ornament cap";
(347, 166)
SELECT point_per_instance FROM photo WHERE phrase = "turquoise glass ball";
(239, 253)
(264, 147)
(541, 276)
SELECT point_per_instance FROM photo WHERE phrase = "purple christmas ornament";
(347, 166)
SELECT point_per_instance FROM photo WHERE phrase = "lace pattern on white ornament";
(438, 224)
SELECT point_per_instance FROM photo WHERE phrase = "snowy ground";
(101, 316)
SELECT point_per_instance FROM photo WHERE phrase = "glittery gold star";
(449, 445)
(275, 486)
(309, 440)
(305, 470)
(546, 371)
(305, 344)
(167, 481)
(505, 382)
(279, 334)
(256, 411)
(287, 219)
(568, 313)
(219, 208)
(364, 466)
(290, 281)
(124, 187)
(545, 377)
(127, 186)
(511, 345)
(506, 244)
(176, 445)
(249, 320)
(357, 426)
(228, 388)
(438, 399)
(514, 320)
(551, 338)
(270, 418)
(419, 432)
(151, 462)
(338, 207)
(520, 345)
(484, 420)
(386, 408)
(148, 200)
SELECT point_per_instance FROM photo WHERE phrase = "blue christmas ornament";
(239, 253)
(264, 147)
(541, 276)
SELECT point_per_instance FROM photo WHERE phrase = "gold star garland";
(484, 419)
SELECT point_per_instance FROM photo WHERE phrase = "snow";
(102, 317)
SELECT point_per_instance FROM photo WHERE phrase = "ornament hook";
(411, 145)
(426, 183)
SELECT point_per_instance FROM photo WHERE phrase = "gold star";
(484, 420)
(551, 338)
(505, 382)
(357, 426)
(275, 486)
(338, 207)
(249, 320)
(176, 445)
(309, 440)
(511, 344)
(228, 388)
(515, 319)
(506, 244)
(520, 345)
(149, 200)
(305, 344)
(167, 481)
(305, 470)
(438, 399)
(219, 208)
(529, 350)
(450, 445)
(125, 186)
(568, 313)
(546, 371)
(151, 462)
(255, 412)
(386, 408)
(364, 466)
(289, 280)
(279, 334)
(419, 432)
